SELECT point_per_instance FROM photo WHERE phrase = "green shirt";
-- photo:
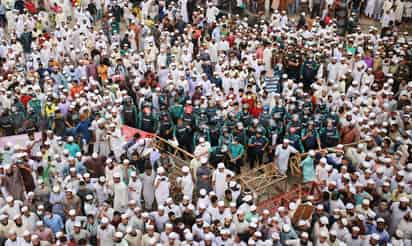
(236, 150)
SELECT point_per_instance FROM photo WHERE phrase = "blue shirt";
(55, 223)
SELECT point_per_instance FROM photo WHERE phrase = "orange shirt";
(102, 71)
(76, 90)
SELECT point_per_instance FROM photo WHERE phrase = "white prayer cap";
(375, 236)
(77, 224)
(365, 202)
(56, 188)
(118, 234)
(324, 220)
(9, 199)
(323, 233)
(203, 192)
(220, 203)
(39, 223)
(323, 160)
(201, 140)
(72, 212)
(305, 235)
(26, 233)
(312, 152)
(17, 216)
(203, 160)
(221, 165)
(189, 236)
(404, 199)
(185, 169)
(286, 227)
(160, 170)
(116, 175)
(105, 220)
(208, 237)
(276, 236)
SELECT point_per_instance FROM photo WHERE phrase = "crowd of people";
(234, 91)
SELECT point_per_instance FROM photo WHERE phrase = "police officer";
(165, 125)
(183, 134)
(230, 121)
(293, 62)
(219, 154)
(211, 109)
(329, 135)
(295, 139)
(225, 137)
(201, 119)
(129, 112)
(309, 70)
(244, 116)
(240, 133)
(147, 119)
(215, 125)
(176, 111)
(256, 147)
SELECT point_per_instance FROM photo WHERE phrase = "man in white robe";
(220, 180)
(162, 186)
(120, 193)
(282, 154)
(135, 188)
(186, 182)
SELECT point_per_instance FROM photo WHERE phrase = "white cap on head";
(160, 170)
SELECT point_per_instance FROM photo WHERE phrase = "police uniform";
(255, 152)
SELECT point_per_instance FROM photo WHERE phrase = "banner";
(17, 139)
(128, 133)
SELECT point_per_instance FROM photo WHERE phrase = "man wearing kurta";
(308, 168)
(120, 193)
(220, 179)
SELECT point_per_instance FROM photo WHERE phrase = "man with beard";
(12, 183)
(399, 209)
(13, 240)
(105, 233)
